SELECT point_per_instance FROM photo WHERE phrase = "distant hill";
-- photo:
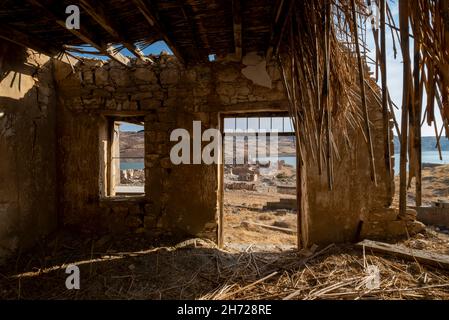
(132, 144)
(428, 144)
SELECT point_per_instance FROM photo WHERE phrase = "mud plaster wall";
(334, 216)
(183, 198)
(27, 145)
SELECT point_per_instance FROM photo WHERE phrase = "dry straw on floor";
(341, 274)
(131, 268)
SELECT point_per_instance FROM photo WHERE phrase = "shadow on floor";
(140, 267)
(131, 267)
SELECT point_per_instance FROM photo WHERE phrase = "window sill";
(124, 198)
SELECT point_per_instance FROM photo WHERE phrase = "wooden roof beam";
(156, 24)
(237, 22)
(198, 44)
(84, 35)
(278, 26)
(198, 30)
(13, 35)
(97, 12)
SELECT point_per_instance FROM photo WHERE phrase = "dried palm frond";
(323, 59)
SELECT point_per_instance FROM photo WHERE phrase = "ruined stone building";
(57, 118)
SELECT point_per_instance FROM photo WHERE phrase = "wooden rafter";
(156, 24)
(97, 12)
(13, 35)
(237, 22)
(198, 30)
(278, 25)
(83, 34)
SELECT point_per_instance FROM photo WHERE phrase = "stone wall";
(27, 145)
(337, 215)
(51, 129)
(184, 199)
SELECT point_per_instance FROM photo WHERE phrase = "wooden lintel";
(237, 22)
(154, 23)
(82, 34)
(193, 17)
(286, 230)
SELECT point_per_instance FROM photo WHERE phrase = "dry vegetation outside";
(244, 211)
(242, 206)
(435, 185)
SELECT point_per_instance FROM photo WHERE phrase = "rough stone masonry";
(52, 137)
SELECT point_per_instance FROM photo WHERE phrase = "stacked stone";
(386, 223)
(169, 96)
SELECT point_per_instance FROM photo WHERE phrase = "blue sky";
(130, 127)
(394, 71)
(156, 48)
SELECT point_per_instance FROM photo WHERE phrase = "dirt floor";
(247, 222)
(242, 206)
(136, 267)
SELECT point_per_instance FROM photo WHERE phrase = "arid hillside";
(435, 185)
(132, 144)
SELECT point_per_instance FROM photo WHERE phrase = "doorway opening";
(259, 202)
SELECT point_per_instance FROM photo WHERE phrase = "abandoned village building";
(58, 112)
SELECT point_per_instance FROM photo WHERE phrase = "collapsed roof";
(322, 40)
(193, 29)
